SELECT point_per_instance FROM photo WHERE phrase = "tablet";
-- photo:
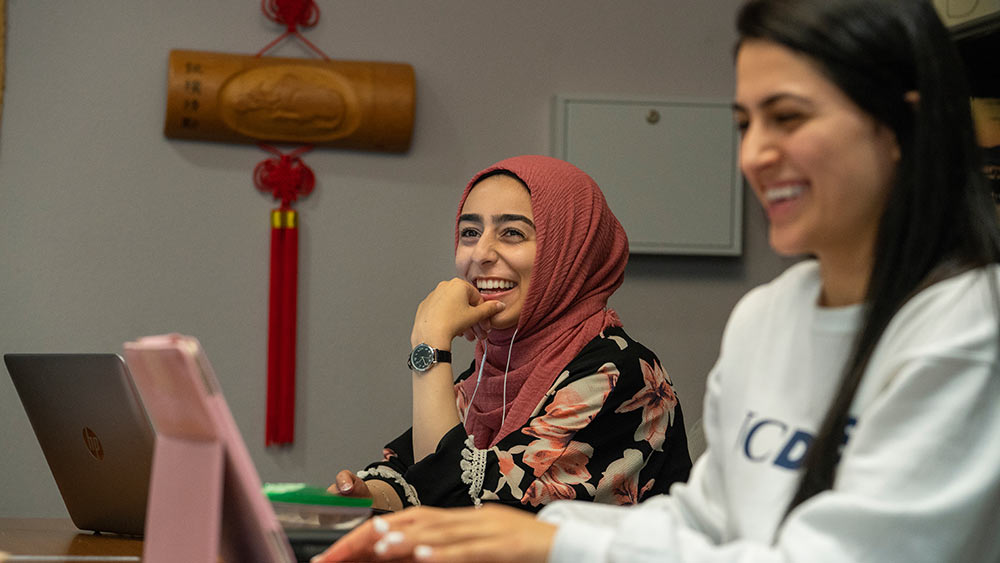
(204, 487)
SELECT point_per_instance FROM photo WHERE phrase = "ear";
(897, 154)
(912, 98)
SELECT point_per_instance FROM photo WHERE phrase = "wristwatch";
(423, 357)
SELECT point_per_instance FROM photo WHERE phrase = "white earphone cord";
(503, 406)
(479, 379)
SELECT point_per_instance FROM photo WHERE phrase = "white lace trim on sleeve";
(393, 475)
(473, 466)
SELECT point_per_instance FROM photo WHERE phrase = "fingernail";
(422, 552)
(381, 547)
(345, 487)
(380, 525)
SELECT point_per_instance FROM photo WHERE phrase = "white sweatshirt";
(919, 478)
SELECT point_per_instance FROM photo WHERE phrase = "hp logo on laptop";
(93, 443)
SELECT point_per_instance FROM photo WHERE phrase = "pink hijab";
(579, 262)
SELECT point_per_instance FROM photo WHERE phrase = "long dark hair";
(939, 218)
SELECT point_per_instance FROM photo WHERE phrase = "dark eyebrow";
(773, 99)
(502, 218)
(511, 217)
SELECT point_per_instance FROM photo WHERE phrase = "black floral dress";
(610, 429)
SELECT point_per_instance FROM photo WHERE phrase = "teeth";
(494, 284)
(787, 192)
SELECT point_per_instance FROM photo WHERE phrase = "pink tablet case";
(205, 495)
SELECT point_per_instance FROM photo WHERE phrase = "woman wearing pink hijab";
(559, 403)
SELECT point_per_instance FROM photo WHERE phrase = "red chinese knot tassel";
(291, 14)
(287, 178)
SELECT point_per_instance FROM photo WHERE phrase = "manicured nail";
(422, 552)
(380, 525)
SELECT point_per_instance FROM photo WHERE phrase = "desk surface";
(58, 536)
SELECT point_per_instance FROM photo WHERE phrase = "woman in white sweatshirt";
(854, 411)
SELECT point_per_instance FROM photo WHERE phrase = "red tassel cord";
(285, 433)
(287, 178)
(274, 330)
(292, 14)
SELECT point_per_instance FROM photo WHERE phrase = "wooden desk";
(58, 536)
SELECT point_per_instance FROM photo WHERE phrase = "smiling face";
(821, 167)
(496, 244)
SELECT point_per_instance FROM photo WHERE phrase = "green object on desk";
(300, 493)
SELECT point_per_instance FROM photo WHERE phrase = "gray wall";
(109, 231)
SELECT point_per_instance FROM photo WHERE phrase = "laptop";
(96, 431)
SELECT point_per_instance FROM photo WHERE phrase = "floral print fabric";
(610, 430)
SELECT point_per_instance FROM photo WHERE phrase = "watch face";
(422, 357)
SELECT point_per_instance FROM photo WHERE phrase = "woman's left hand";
(439, 535)
(454, 308)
